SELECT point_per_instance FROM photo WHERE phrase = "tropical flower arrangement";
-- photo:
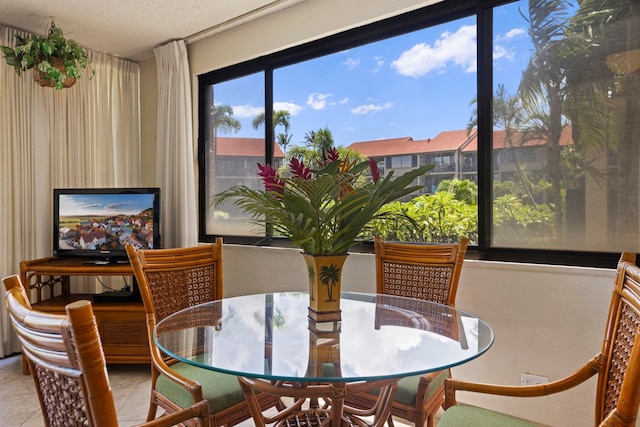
(321, 210)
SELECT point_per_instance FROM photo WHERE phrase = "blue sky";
(104, 204)
(416, 85)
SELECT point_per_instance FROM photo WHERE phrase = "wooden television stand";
(121, 321)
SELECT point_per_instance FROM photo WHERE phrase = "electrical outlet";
(530, 379)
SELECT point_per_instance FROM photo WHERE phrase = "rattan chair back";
(618, 395)
(423, 271)
(67, 362)
(617, 366)
(171, 280)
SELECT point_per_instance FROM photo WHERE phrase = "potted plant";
(322, 211)
(58, 61)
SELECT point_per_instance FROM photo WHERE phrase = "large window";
(229, 155)
(536, 150)
(566, 153)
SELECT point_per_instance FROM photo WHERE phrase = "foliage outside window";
(541, 152)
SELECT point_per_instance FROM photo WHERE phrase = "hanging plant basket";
(45, 80)
(57, 62)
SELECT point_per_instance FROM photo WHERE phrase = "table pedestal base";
(332, 412)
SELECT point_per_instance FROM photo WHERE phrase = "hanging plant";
(58, 62)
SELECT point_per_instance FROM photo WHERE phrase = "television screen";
(99, 222)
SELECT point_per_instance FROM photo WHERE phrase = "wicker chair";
(617, 366)
(170, 280)
(427, 272)
(65, 356)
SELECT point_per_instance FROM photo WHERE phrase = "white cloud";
(371, 108)
(512, 34)
(292, 108)
(351, 63)
(379, 63)
(503, 52)
(250, 111)
(244, 111)
(458, 48)
(500, 52)
(343, 101)
(318, 101)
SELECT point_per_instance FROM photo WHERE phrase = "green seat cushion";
(408, 388)
(473, 416)
(220, 390)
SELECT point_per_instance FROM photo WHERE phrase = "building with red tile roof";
(453, 153)
(244, 147)
(236, 158)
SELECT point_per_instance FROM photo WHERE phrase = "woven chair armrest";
(162, 363)
(427, 378)
(423, 385)
(591, 368)
(163, 366)
(197, 412)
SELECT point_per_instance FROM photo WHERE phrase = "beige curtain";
(175, 171)
(84, 136)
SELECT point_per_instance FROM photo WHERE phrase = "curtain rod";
(266, 9)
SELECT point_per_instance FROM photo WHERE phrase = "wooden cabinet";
(121, 323)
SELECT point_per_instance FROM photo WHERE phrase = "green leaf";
(48, 47)
(7, 51)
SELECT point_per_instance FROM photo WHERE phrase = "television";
(97, 223)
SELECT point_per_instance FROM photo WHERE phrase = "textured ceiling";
(131, 29)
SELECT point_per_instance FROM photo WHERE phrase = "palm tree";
(329, 276)
(283, 139)
(542, 88)
(312, 277)
(221, 119)
(320, 141)
(607, 33)
(508, 115)
(280, 118)
(310, 139)
(325, 140)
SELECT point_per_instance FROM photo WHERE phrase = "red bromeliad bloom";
(375, 172)
(332, 155)
(270, 178)
(298, 169)
(272, 181)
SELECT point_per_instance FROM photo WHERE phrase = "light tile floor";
(19, 405)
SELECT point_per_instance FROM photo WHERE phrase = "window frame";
(439, 13)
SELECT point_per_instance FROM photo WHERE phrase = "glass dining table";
(272, 345)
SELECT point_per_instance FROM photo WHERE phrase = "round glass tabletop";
(271, 336)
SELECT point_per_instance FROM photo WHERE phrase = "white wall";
(547, 320)
(305, 21)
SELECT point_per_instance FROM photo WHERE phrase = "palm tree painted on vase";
(329, 277)
(312, 277)
(324, 273)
